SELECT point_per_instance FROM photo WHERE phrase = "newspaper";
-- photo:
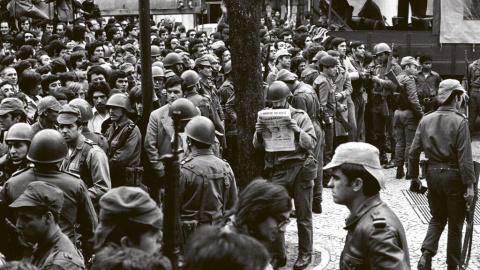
(277, 137)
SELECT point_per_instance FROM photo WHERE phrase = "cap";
(41, 193)
(409, 60)
(329, 61)
(202, 61)
(10, 105)
(48, 102)
(281, 53)
(446, 88)
(359, 153)
(285, 76)
(126, 204)
(319, 55)
(69, 114)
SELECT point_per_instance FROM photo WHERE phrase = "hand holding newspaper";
(277, 136)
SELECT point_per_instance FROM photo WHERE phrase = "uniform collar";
(44, 246)
(202, 152)
(355, 216)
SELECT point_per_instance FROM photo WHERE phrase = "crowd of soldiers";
(83, 176)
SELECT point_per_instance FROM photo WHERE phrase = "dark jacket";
(375, 240)
(209, 181)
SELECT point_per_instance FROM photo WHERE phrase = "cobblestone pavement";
(329, 235)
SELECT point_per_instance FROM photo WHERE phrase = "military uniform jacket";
(91, 163)
(225, 93)
(304, 142)
(375, 240)
(411, 87)
(206, 182)
(204, 103)
(126, 155)
(444, 137)
(57, 253)
(208, 88)
(77, 207)
(474, 74)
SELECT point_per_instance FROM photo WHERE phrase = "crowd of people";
(83, 176)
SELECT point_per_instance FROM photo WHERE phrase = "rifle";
(467, 241)
(339, 117)
(171, 223)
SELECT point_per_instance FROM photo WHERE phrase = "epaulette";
(63, 259)
(378, 220)
(90, 142)
(30, 166)
(72, 174)
(186, 160)
(461, 114)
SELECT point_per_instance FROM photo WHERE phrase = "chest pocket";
(352, 263)
(216, 187)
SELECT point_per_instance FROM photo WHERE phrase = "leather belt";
(442, 166)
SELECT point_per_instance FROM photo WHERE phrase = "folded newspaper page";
(277, 137)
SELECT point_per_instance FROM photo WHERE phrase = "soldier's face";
(32, 227)
(342, 192)
(116, 113)
(70, 132)
(18, 150)
(282, 104)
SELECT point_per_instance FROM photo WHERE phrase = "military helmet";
(157, 72)
(48, 146)
(84, 107)
(155, 50)
(186, 108)
(20, 132)
(119, 100)
(201, 129)
(277, 91)
(171, 59)
(227, 68)
(211, 59)
(380, 48)
(190, 78)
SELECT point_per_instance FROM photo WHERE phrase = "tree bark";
(244, 20)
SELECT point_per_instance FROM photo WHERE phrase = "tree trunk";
(244, 21)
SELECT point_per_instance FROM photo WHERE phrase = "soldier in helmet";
(206, 86)
(87, 115)
(18, 140)
(48, 108)
(158, 84)
(189, 86)
(85, 158)
(383, 107)
(304, 98)
(38, 210)
(11, 112)
(207, 184)
(78, 217)
(292, 170)
(124, 139)
(155, 53)
(173, 62)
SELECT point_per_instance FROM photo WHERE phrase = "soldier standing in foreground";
(376, 238)
(444, 137)
(38, 210)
